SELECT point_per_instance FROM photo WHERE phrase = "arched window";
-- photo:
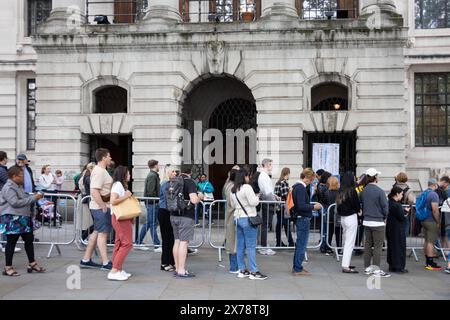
(110, 99)
(330, 96)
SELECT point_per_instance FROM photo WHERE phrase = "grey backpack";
(174, 196)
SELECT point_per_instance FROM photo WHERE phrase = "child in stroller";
(46, 213)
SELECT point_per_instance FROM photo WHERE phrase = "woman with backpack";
(348, 207)
(282, 191)
(322, 189)
(244, 202)
(167, 238)
(395, 233)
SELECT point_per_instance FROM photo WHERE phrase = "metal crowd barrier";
(57, 220)
(414, 238)
(217, 226)
(84, 228)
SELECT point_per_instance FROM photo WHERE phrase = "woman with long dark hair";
(348, 207)
(244, 202)
(123, 242)
(395, 232)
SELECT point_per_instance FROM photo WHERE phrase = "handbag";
(254, 221)
(446, 206)
(128, 209)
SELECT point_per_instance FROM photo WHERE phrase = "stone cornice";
(98, 37)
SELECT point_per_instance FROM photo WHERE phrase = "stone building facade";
(130, 86)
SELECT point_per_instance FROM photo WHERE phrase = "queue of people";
(355, 205)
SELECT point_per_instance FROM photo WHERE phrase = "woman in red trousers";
(124, 228)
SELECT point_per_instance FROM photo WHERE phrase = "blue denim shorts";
(102, 220)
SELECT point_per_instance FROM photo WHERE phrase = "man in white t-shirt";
(267, 193)
(101, 183)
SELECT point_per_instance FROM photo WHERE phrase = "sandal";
(167, 267)
(36, 268)
(10, 272)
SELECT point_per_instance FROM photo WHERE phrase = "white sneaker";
(118, 276)
(158, 250)
(16, 249)
(142, 248)
(125, 273)
(368, 270)
(270, 252)
(381, 274)
(262, 251)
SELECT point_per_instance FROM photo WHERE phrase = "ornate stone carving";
(215, 54)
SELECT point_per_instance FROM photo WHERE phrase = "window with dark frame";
(328, 9)
(31, 114)
(432, 14)
(432, 115)
(38, 11)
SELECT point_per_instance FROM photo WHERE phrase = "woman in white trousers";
(348, 207)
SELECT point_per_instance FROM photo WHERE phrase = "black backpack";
(405, 198)
(175, 196)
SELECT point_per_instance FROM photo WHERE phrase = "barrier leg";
(337, 254)
(413, 251)
(306, 256)
(51, 249)
(220, 254)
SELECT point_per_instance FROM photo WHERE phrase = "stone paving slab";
(213, 281)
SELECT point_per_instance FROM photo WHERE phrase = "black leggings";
(11, 240)
(166, 236)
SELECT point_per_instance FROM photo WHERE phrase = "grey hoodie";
(13, 200)
(374, 203)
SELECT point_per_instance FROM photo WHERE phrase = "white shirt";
(373, 224)
(118, 188)
(248, 199)
(46, 181)
(266, 186)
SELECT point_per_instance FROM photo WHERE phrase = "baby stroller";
(47, 214)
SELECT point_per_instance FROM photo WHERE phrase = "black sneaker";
(107, 266)
(257, 276)
(244, 274)
(192, 251)
(90, 264)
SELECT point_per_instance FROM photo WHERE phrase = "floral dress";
(13, 224)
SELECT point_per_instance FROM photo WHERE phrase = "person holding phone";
(16, 220)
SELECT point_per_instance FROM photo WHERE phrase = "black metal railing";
(329, 9)
(219, 10)
(115, 11)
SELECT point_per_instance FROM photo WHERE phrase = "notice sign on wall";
(326, 157)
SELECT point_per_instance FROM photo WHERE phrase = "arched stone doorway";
(221, 103)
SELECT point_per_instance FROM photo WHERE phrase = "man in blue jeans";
(303, 211)
(151, 190)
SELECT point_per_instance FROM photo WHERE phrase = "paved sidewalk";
(214, 282)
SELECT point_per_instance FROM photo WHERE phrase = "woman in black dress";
(395, 232)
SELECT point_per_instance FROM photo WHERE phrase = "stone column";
(384, 5)
(66, 16)
(279, 8)
(163, 10)
(380, 14)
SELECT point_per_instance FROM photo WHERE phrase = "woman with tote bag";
(124, 228)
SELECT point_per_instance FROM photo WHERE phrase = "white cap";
(372, 172)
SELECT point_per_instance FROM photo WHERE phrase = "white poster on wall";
(326, 157)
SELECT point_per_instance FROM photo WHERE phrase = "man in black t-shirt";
(183, 225)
